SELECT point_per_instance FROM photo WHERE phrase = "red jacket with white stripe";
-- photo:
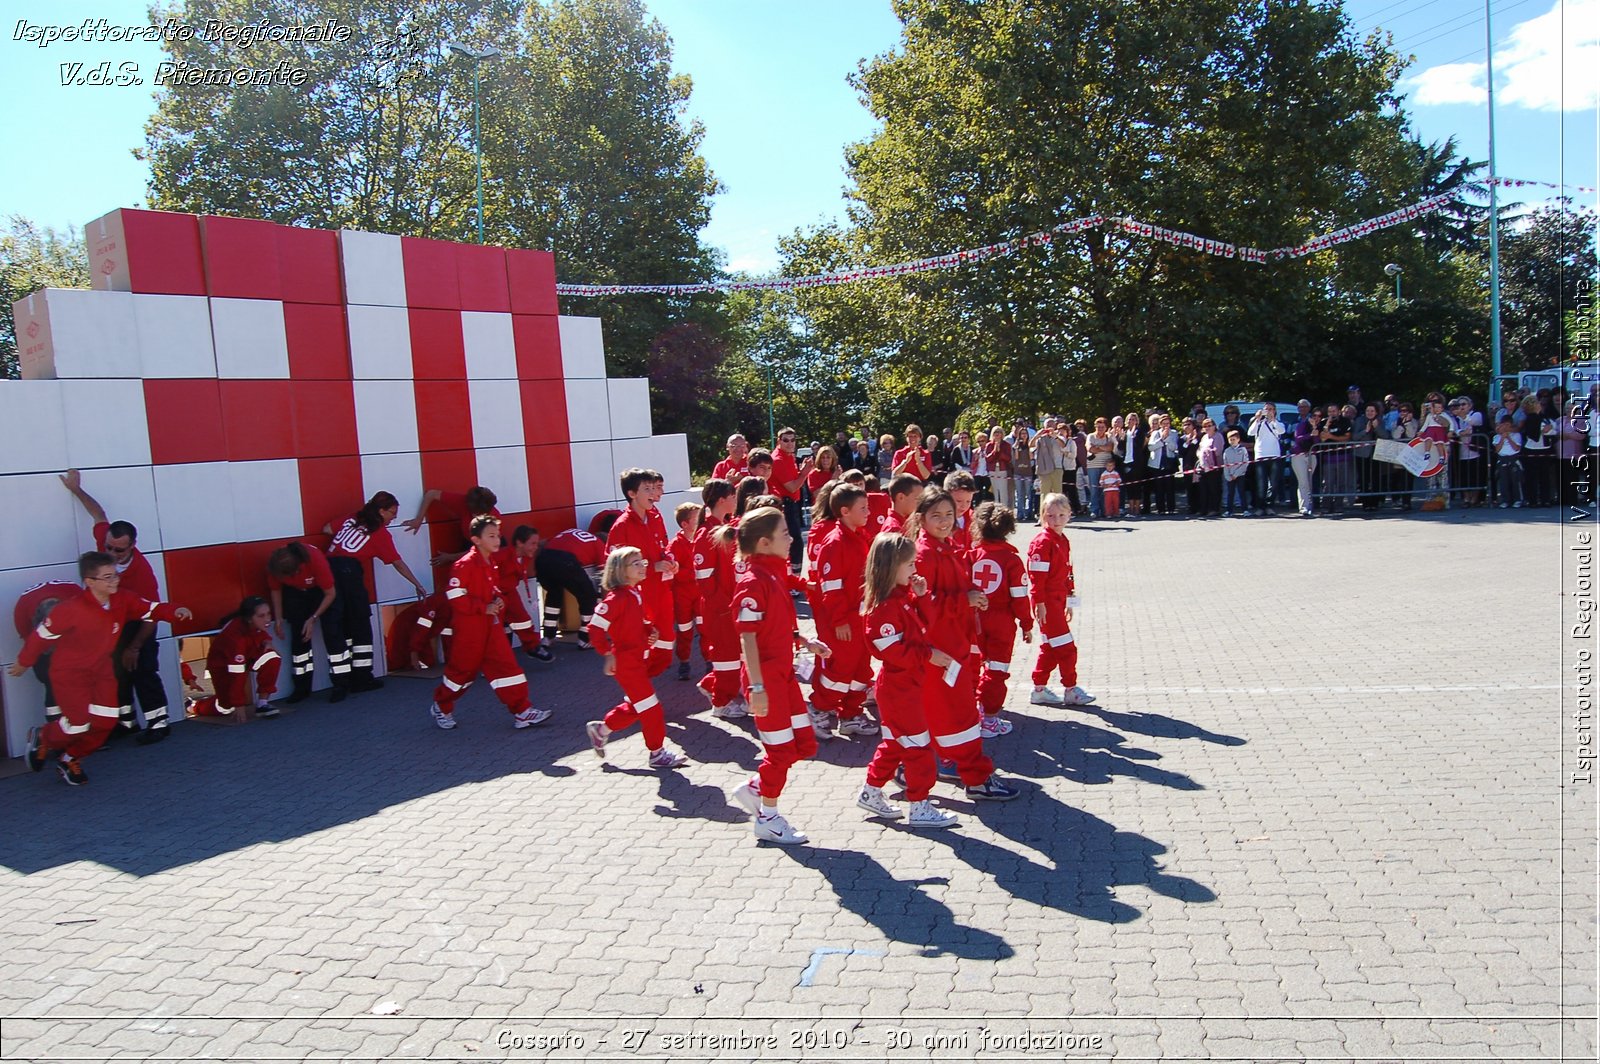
(952, 626)
(998, 572)
(1050, 569)
(762, 605)
(896, 636)
(474, 586)
(841, 574)
(620, 626)
(239, 648)
(80, 634)
(589, 550)
(713, 569)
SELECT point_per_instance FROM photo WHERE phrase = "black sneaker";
(36, 750)
(583, 641)
(266, 709)
(154, 735)
(683, 670)
(993, 789)
(542, 653)
(300, 695)
(71, 770)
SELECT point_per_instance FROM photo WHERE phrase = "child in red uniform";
(623, 633)
(242, 648)
(411, 636)
(768, 635)
(479, 642)
(950, 693)
(300, 582)
(641, 526)
(823, 521)
(962, 486)
(685, 593)
(845, 677)
(511, 565)
(895, 627)
(713, 573)
(80, 634)
(905, 491)
(1054, 595)
(998, 573)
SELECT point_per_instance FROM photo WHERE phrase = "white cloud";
(1530, 65)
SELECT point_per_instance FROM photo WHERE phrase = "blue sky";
(770, 88)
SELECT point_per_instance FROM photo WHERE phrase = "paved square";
(1318, 812)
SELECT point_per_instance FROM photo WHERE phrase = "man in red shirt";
(736, 466)
(141, 675)
(786, 479)
(81, 634)
(641, 525)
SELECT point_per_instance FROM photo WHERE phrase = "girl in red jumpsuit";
(623, 631)
(713, 573)
(642, 526)
(685, 590)
(769, 632)
(80, 635)
(895, 628)
(999, 575)
(840, 570)
(242, 648)
(479, 642)
(950, 693)
(1054, 595)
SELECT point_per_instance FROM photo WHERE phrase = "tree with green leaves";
(32, 258)
(1262, 124)
(586, 149)
(1548, 270)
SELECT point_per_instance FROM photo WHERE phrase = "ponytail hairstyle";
(886, 555)
(820, 508)
(370, 516)
(616, 571)
(288, 558)
(931, 497)
(714, 491)
(748, 489)
(757, 525)
(994, 522)
(247, 609)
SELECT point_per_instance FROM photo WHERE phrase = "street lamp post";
(1394, 270)
(477, 56)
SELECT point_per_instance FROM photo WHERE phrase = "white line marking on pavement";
(1382, 689)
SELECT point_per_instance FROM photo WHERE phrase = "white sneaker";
(667, 757)
(862, 725)
(1046, 696)
(872, 800)
(746, 796)
(1076, 696)
(598, 734)
(822, 722)
(734, 710)
(441, 718)
(529, 717)
(925, 814)
(993, 727)
(776, 829)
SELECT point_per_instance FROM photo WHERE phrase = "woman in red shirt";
(363, 535)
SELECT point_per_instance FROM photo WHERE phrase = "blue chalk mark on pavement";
(825, 951)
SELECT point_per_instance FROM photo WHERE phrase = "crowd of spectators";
(1316, 459)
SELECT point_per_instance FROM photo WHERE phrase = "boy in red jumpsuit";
(621, 631)
(846, 676)
(641, 526)
(998, 573)
(411, 637)
(768, 635)
(512, 563)
(713, 574)
(1054, 595)
(480, 643)
(685, 593)
(243, 647)
(80, 634)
